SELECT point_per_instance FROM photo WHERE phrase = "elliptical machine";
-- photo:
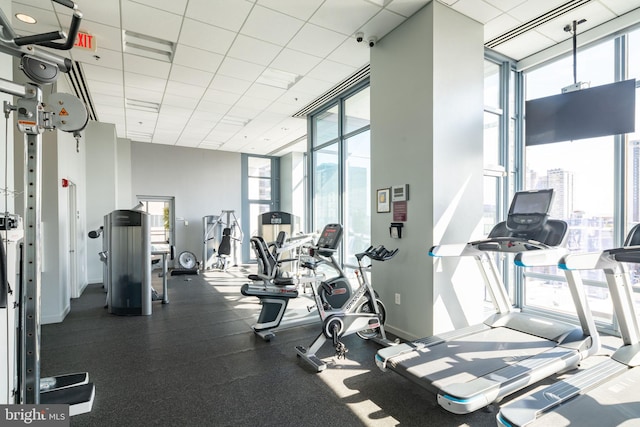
(363, 313)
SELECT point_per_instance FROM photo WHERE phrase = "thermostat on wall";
(400, 193)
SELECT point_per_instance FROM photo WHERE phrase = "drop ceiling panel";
(331, 72)
(381, 24)
(229, 84)
(105, 88)
(497, 26)
(344, 15)
(271, 26)
(197, 58)
(180, 101)
(253, 50)
(527, 44)
(105, 58)
(505, 5)
(261, 91)
(174, 6)
(47, 20)
(184, 90)
(481, 11)
(221, 97)
(620, 7)
(143, 95)
(140, 81)
(145, 66)
(351, 53)
(296, 8)
(105, 36)
(188, 75)
(243, 70)
(406, 8)
(316, 40)
(295, 61)
(229, 14)
(207, 37)
(213, 107)
(156, 23)
(532, 9)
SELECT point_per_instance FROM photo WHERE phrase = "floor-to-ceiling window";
(260, 187)
(594, 191)
(340, 169)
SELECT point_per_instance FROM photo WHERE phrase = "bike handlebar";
(379, 253)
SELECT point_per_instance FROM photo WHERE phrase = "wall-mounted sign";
(86, 41)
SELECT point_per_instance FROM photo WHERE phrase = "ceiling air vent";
(536, 22)
(148, 46)
(81, 89)
(146, 106)
(355, 78)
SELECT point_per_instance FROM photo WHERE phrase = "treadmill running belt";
(614, 403)
(467, 358)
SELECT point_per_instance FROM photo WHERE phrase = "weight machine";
(225, 230)
(63, 112)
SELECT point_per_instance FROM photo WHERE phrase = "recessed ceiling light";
(26, 18)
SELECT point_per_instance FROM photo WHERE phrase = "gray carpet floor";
(196, 362)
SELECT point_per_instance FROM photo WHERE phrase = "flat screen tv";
(587, 113)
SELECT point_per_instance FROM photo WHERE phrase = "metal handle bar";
(13, 44)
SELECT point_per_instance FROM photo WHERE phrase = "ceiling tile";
(296, 8)
(143, 95)
(103, 74)
(498, 26)
(331, 72)
(212, 107)
(505, 5)
(240, 69)
(269, 25)
(351, 53)
(532, 9)
(406, 8)
(261, 91)
(381, 24)
(229, 14)
(294, 61)
(106, 58)
(173, 6)
(180, 101)
(105, 88)
(150, 67)
(207, 37)
(156, 23)
(344, 16)
(188, 75)
(620, 7)
(479, 10)
(316, 41)
(140, 81)
(253, 50)
(525, 45)
(197, 58)
(184, 90)
(221, 97)
(229, 84)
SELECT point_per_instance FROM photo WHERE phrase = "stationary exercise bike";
(363, 314)
(279, 281)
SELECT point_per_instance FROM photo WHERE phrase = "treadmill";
(607, 393)
(473, 367)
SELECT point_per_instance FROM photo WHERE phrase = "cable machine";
(225, 230)
(67, 113)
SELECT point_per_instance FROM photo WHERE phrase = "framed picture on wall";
(383, 200)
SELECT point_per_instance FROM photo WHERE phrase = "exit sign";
(85, 41)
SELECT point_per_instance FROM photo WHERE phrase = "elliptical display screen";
(529, 210)
(330, 236)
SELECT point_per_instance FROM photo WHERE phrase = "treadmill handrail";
(494, 244)
(589, 261)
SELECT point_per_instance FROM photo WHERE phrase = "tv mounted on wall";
(587, 113)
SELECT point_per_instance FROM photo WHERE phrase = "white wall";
(426, 131)
(102, 185)
(203, 182)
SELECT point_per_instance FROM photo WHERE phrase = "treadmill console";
(330, 237)
(529, 212)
